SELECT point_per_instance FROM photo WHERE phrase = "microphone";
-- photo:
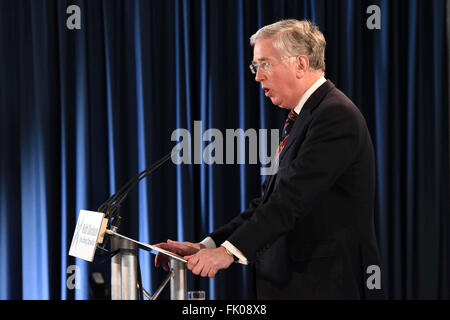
(111, 207)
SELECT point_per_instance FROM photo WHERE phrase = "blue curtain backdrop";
(81, 111)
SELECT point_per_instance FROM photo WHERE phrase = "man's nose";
(259, 76)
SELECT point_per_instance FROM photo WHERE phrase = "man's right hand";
(180, 248)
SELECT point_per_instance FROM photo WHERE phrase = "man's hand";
(180, 248)
(207, 262)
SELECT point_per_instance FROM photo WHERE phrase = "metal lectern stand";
(124, 281)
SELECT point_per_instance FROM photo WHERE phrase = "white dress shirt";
(308, 94)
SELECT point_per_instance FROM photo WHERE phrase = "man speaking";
(311, 235)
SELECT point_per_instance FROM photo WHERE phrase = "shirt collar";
(308, 93)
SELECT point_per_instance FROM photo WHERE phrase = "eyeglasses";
(263, 66)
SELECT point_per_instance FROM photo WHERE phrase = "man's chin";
(278, 103)
(275, 101)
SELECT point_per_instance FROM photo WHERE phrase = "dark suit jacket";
(311, 235)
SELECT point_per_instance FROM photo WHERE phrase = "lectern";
(124, 272)
(93, 226)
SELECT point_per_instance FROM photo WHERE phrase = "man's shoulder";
(336, 105)
(328, 96)
(336, 100)
(336, 97)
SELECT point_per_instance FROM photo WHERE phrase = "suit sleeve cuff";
(235, 251)
(209, 243)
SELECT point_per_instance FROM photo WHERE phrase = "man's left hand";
(207, 262)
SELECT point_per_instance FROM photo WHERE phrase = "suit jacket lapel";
(305, 114)
(297, 129)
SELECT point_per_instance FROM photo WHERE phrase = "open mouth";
(266, 91)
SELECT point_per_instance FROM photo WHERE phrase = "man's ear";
(302, 64)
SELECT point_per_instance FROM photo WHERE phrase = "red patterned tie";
(292, 116)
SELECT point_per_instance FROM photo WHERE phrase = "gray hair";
(293, 37)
